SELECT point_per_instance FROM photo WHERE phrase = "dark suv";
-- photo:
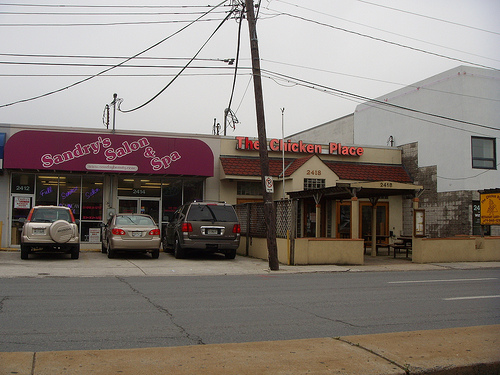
(50, 229)
(206, 226)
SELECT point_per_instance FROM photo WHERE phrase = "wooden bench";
(399, 247)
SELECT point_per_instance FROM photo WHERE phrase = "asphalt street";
(47, 309)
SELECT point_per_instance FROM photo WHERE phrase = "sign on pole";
(269, 184)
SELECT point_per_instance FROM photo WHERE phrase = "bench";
(399, 247)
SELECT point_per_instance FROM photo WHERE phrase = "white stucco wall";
(464, 93)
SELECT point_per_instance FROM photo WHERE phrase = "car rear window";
(134, 220)
(202, 212)
(44, 215)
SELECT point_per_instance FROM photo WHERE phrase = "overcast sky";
(310, 51)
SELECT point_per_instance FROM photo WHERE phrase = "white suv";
(50, 229)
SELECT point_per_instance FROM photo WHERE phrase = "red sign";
(244, 143)
(62, 151)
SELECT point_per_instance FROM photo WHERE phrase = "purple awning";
(84, 152)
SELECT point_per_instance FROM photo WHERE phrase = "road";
(73, 313)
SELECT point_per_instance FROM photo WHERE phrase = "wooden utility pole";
(269, 211)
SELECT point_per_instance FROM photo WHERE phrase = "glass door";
(21, 205)
(343, 220)
(140, 205)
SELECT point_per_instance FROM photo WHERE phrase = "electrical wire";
(429, 17)
(385, 40)
(385, 31)
(180, 72)
(113, 67)
(369, 101)
(228, 109)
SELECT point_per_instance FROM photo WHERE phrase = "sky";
(61, 65)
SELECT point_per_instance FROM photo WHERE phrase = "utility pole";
(269, 210)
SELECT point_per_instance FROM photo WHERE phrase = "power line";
(180, 72)
(113, 67)
(106, 6)
(367, 100)
(108, 57)
(120, 23)
(429, 17)
(385, 40)
(385, 31)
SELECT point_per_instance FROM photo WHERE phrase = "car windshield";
(134, 220)
(49, 215)
(203, 212)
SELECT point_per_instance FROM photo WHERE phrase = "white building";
(448, 126)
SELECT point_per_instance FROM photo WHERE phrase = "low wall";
(309, 250)
(456, 249)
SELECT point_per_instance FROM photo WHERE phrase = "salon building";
(98, 172)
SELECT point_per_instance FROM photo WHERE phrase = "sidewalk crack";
(405, 367)
(33, 363)
(198, 340)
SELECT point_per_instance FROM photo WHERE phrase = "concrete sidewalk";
(471, 350)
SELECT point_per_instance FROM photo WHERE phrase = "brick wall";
(447, 214)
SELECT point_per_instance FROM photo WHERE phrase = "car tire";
(179, 252)
(75, 252)
(111, 252)
(155, 254)
(25, 251)
(61, 231)
(231, 254)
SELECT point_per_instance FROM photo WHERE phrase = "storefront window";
(92, 196)
(46, 190)
(69, 193)
(171, 198)
(193, 190)
(139, 187)
(23, 183)
(90, 231)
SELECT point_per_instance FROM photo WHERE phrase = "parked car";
(206, 226)
(50, 229)
(131, 233)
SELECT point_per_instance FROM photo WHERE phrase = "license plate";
(136, 234)
(38, 231)
(212, 231)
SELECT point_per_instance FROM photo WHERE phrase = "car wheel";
(230, 254)
(75, 252)
(179, 252)
(25, 250)
(155, 254)
(111, 252)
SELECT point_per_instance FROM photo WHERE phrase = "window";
(484, 153)
(249, 188)
(314, 183)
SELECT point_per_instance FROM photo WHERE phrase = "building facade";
(100, 172)
(447, 127)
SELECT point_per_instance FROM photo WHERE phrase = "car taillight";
(154, 232)
(186, 227)
(236, 228)
(118, 231)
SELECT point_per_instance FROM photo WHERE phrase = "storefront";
(98, 174)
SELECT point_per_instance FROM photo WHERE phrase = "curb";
(469, 350)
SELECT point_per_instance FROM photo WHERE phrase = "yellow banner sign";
(490, 209)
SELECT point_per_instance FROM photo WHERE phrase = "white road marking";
(472, 297)
(439, 281)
